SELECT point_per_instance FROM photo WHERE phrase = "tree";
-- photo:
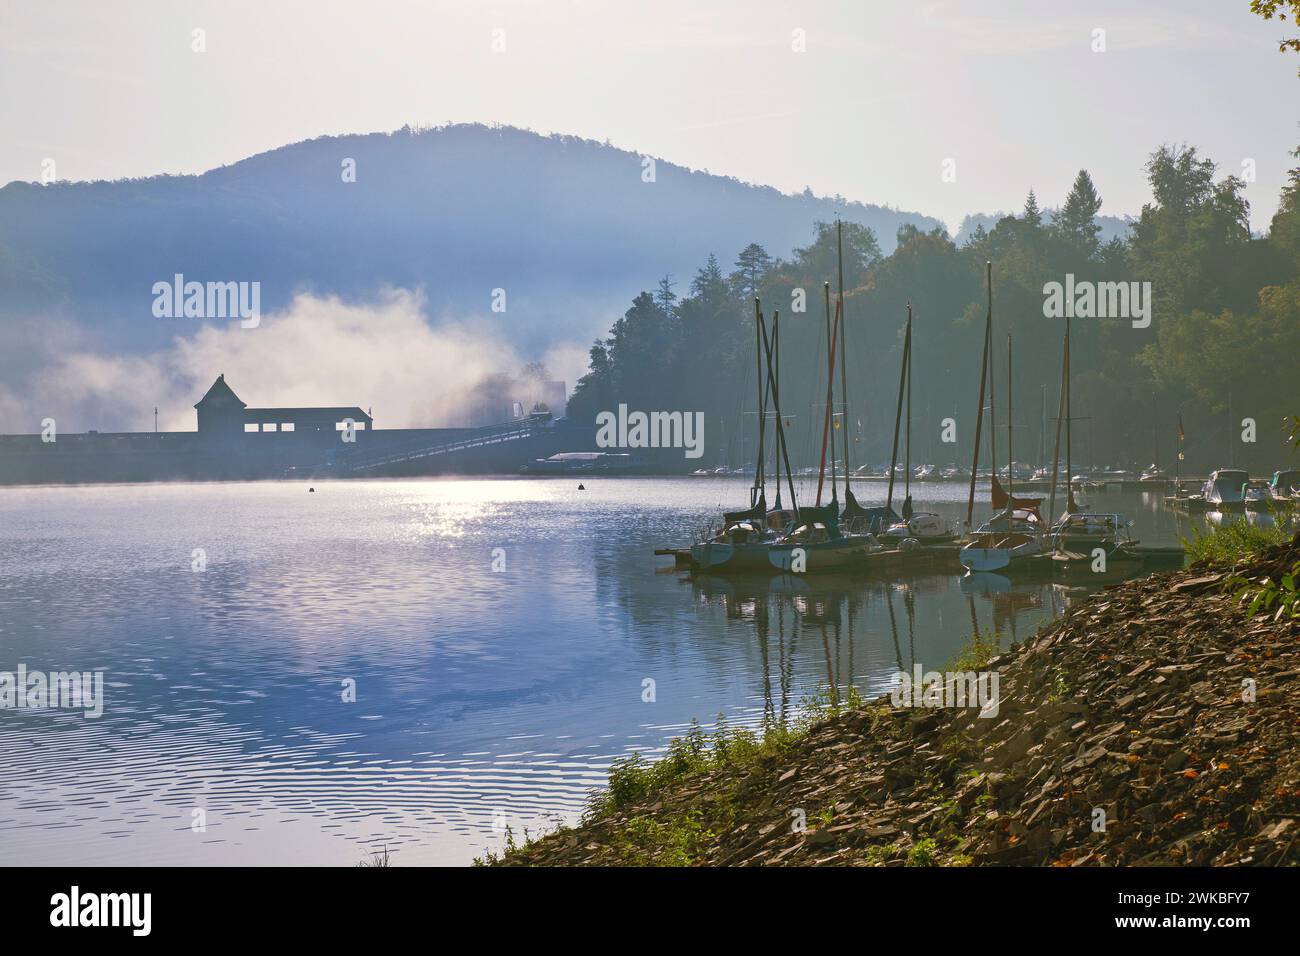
(752, 266)
(593, 392)
(1284, 231)
(1180, 180)
(819, 261)
(1032, 216)
(1193, 242)
(1271, 8)
(665, 296)
(1076, 221)
(708, 285)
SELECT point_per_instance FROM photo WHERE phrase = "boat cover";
(758, 510)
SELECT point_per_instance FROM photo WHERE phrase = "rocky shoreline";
(1155, 724)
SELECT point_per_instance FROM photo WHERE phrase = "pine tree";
(708, 285)
(752, 266)
(665, 297)
(1032, 216)
(1076, 221)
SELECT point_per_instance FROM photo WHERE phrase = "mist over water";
(482, 696)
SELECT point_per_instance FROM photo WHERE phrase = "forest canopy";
(1221, 347)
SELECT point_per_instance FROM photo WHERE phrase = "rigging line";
(760, 480)
(898, 408)
(979, 414)
(806, 445)
(1011, 501)
(907, 460)
(774, 384)
(1060, 411)
(844, 352)
(830, 399)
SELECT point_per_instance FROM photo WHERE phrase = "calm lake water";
(483, 697)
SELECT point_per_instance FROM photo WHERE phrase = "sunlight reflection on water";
(480, 695)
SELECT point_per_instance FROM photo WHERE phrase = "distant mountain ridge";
(565, 226)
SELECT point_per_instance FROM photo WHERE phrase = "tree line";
(1221, 347)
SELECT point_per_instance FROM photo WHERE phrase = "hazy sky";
(882, 95)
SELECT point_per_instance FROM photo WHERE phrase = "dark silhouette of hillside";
(565, 225)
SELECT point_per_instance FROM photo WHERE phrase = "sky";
(944, 108)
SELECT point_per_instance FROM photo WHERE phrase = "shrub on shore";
(1232, 543)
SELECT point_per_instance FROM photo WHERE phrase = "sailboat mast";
(1060, 414)
(759, 478)
(844, 351)
(907, 444)
(1010, 464)
(898, 408)
(979, 408)
(1069, 422)
(774, 384)
(993, 410)
(829, 414)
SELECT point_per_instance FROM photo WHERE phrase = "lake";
(499, 638)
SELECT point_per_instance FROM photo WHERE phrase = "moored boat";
(925, 526)
(1223, 490)
(1257, 496)
(816, 545)
(1005, 539)
(1285, 485)
(1079, 536)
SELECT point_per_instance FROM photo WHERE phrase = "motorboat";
(580, 463)
(1257, 496)
(1223, 490)
(1285, 485)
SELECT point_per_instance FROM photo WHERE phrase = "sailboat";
(924, 527)
(1015, 533)
(746, 536)
(855, 518)
(817, 543)
(1083, 540)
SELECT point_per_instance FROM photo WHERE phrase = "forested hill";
(1215, 351)
(568, 227)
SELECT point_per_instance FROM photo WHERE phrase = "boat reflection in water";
(826, 634)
